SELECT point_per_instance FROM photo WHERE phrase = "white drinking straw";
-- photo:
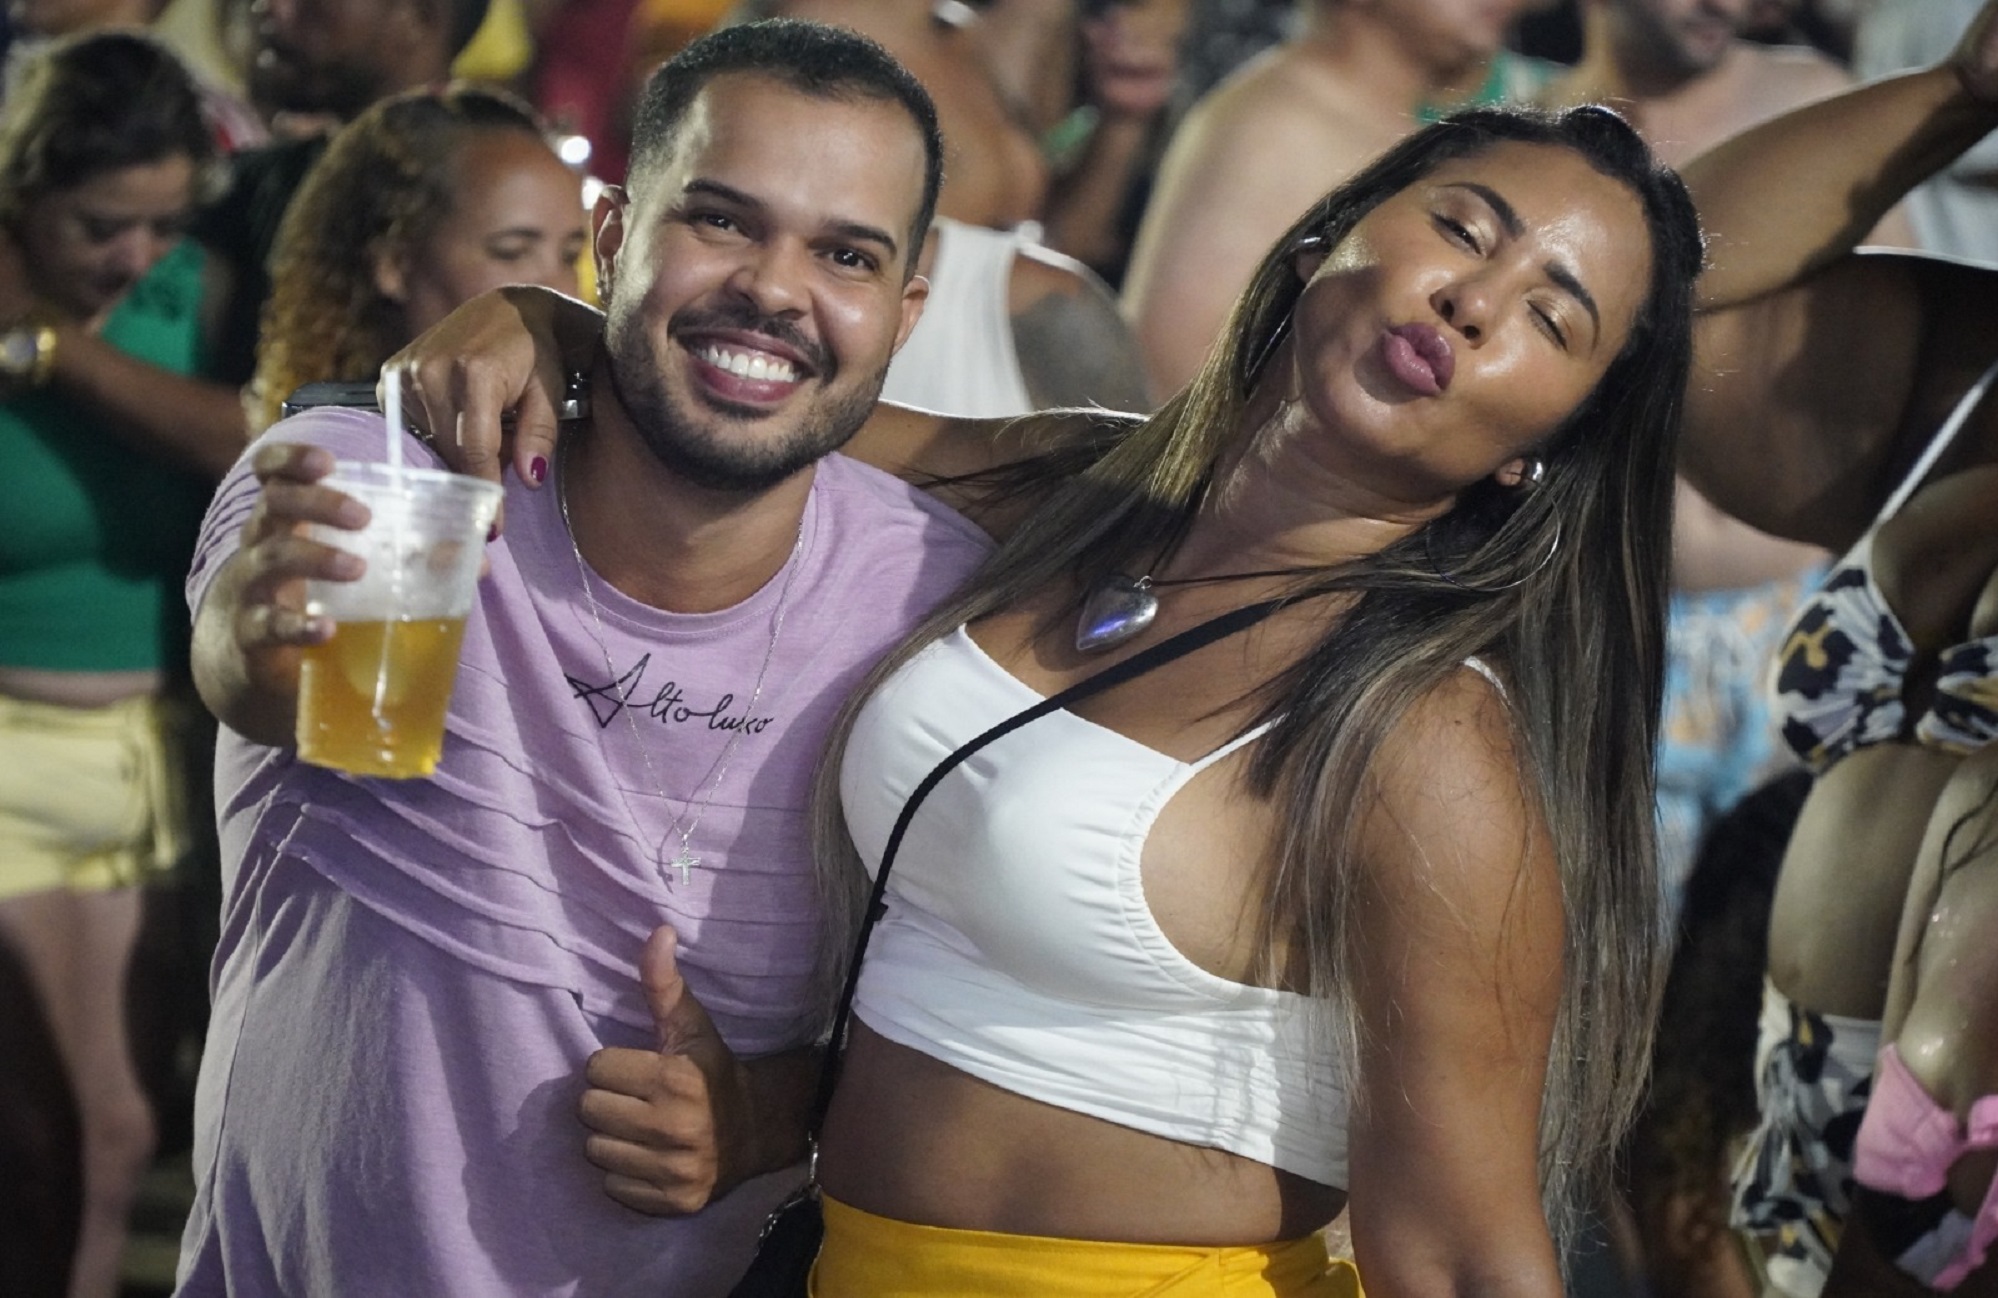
(392, 380)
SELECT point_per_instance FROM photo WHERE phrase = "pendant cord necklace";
(1120, 608)
(695, 807)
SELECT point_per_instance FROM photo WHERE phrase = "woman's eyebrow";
(1507, 215)
(1508, 218)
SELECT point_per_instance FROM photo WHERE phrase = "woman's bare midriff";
(914, 1139)
(76, 689)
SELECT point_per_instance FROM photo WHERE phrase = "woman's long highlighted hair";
(1578, 638)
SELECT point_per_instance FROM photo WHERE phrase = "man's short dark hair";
(812, 58)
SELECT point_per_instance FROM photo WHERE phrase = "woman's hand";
(506, 353)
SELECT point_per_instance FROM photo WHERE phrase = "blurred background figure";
(1701, 1105)
(41, 1197)
(1774, 22)
(1681, 72)
(315, 64)
(1123, 78)
(1551, 30)
(662, 28)
(1295, 121)
(1225, 34)
(569, 83)
(103, 151)
(1827, 25)
(593, 56)
(33, 23)
(425, 200)
(1010, 326)
(1957, 212)
(994, 174)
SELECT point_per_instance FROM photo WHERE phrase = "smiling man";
(415, 976)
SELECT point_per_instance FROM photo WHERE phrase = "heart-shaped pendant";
(1116, 610)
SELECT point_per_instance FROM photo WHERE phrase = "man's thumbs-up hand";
(672, 1128)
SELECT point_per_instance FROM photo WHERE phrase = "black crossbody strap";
(1158, 655)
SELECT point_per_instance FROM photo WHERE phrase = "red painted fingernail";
(537, 469)
(492, 534)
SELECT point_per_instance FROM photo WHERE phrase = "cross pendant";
(684, 861)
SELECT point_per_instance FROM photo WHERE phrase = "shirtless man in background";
(1683, 76)
(1358, 75)
(993, 171)
(1066, 345)
(1679, 71)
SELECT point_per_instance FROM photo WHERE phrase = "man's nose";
(775, 276)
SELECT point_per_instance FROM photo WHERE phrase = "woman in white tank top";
(1143, 983)
(1456, 869)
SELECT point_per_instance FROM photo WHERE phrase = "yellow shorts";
(865, 1256)
(90, 798)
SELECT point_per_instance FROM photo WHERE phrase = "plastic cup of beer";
(371, 700)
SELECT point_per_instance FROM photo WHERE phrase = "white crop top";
(1017, 945)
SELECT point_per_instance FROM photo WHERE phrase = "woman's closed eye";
(513, 248)
(1457, 232)
(1549, 323)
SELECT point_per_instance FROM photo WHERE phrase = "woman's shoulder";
(1450, 771)
(1469, 703)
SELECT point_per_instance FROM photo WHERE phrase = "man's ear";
(607, 230)
(914, 294)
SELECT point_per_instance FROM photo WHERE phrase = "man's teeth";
(750, 365)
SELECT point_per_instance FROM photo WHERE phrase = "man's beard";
(689, 450)
(1666, 52)
(342, 90)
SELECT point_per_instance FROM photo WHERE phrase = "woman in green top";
(103, 149)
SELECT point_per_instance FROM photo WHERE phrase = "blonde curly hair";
(383, 186)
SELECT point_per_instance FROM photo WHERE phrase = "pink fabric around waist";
(1908, 1143)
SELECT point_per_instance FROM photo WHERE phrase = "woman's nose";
(1466, 306)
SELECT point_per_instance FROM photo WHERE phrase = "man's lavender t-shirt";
(413, 973)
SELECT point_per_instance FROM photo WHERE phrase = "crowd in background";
(268, 195)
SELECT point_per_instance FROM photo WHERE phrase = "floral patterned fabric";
(1793, 1185)
(1839, 674)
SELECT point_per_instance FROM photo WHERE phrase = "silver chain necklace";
(694, 808)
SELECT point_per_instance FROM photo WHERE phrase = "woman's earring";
(1531, 475)
(1308, 245)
